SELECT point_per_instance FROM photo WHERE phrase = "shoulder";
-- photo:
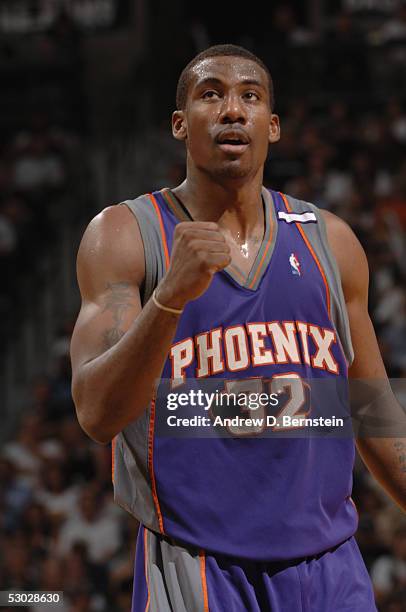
(348, 252)
(112, 242)
(110, 221)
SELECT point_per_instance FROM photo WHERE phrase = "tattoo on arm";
(111, 337)
(117, 301)
(400, 447)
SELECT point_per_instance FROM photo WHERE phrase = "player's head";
(225, 112)
(187, 73)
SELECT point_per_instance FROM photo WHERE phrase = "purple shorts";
(171, 578)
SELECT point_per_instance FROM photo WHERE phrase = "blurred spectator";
(54, 491)
(15, 211)
(37, 166)
(8, 234)
(346, 65)
(394, 29)
(80, 465)
(60, 400)
(388, 572)
(25, 451)
(18, 571)
(37, 529)
(15, 494)
(51, 578)
(395, 201)
(397, 120)
(91, 526)
(82, 577)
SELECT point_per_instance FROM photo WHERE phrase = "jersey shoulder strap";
(145, 213)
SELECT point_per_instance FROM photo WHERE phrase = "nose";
(232, 110)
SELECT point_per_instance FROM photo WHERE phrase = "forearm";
(386, 460)
(381, 425)
(114, 388)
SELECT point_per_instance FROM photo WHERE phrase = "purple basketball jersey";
(264, 499)
(255, 497)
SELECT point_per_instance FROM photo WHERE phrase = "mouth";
(235, 148)
(233, 141)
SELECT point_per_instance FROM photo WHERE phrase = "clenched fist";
(199, 251)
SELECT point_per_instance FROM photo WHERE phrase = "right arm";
(118, 348)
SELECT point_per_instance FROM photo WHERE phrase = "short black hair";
(218, 51)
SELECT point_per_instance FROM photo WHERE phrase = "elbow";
(95, 431)
(86, 413)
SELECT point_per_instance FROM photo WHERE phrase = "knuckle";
(188, 237)
(193, 245)
(181, 228)
(202, 261)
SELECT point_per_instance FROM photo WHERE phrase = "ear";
(274, 129)
(179, 130)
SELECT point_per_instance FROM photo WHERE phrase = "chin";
(231, 170)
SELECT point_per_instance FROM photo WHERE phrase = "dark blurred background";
(87, 90)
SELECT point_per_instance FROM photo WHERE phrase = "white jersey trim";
(306, 217)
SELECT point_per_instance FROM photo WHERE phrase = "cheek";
(198, 138)
(262, 134)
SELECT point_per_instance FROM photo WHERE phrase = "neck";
(235, 205)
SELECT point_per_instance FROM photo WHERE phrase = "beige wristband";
(166, 308)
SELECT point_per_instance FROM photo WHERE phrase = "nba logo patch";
(295, 265)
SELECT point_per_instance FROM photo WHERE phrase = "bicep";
(102, 323)
(110, 271)
(354, 273)
(370, 390)
(368, 361)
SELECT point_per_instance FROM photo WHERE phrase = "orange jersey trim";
(309, 246)
(161, 225)
(252, 283)
(202, 558)
(146, 568)
(169, 202)
(355, 505)
(260, 265)
(113, 447)
(151, 466)
(237, 272)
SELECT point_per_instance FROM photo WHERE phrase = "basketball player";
(220, 278)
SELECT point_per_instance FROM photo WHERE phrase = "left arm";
(384, 457)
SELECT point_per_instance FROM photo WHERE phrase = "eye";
(251, 95)
(209, 94)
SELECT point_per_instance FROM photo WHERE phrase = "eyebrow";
(216, 81)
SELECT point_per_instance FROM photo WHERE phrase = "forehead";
(228, 69)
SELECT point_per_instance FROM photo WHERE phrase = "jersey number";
(290, 391)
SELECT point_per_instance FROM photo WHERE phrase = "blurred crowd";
(61, 531)
(354, 164)
(36, 173)
(41, 119)
(59, 527)
(344, 151)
